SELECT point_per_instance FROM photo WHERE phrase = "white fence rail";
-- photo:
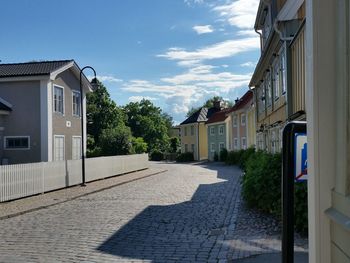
(22, 180)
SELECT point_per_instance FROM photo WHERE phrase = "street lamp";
(94, 84)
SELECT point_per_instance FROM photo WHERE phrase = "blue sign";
(300, 158)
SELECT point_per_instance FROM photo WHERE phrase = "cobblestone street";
(186, 214)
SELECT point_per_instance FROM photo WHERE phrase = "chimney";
(236, 100)
(217, 104)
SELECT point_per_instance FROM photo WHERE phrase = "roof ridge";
(38, 62)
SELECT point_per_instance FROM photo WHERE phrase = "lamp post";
(94, 85)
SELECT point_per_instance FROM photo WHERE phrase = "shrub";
(244, 156)
(216, 157)
(174, 144)
(185, 157)
(223, 155)
(156, 155)
(138, 145)
(261, 187)
(232, 158)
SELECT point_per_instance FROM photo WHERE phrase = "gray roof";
(4, 107)
(202, 115)
(31, 68)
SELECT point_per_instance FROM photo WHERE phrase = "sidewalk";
(28, 204)
(299, 257)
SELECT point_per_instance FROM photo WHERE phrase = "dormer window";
(267, 25)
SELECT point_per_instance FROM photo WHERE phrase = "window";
(76, 147)
(244, 143)
(268, 90)
(58, 100)
(261, 99)
(212, 147)
(267, 25)
(59, 148)
(283, 71)
(212, 130)
(235, 143)
(221, 146)
(243, 119)
(192, 148)
(235, 121)
(192, 130)
(185, 131)
(76, 103)
(221, 130)
(276, 81)
(17, 142)
(186, 148)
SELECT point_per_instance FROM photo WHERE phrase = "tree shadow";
(186, 231)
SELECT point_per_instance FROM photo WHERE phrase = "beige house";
(40, 111)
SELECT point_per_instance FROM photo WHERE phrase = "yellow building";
(194, 132)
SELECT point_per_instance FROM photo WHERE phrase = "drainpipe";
(198, 142)
(256, 31)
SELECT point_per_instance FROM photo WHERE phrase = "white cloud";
(248, 64)
(191, 2)
(203, 29)
(223, 49)
(247, 33)
(240, 13)
(139, 98)
(106, 78)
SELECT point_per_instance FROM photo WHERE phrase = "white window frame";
(243, 123)
(235, 120)
(79, 108)
(54, 147)
(276, 80)
(212, 147)
(235, 143)
(244, 145)
(212, 131)
(283, 71)
(223, 146)
(76, 137)
(16, 137)
(63, 100)
(268, 92)
(223, 129)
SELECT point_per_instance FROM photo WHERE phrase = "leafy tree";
(150, 123)
(174, 144)
(116, 141)
(138, 145)
(210, 103)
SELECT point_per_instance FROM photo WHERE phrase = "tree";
(174, 144)
(105, 121)
(138, 145)
(116, 141)
(150, 123)
(210, 103)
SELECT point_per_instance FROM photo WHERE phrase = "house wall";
(24, 120)
(59, 122)
(189, 139)
(251, 128)
(203, 142)
(216, 139)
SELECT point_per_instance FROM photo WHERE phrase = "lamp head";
(94, 83)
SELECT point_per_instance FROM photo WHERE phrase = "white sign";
(300, 158)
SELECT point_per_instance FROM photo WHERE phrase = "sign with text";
(300, 157)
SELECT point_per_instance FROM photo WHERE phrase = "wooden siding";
(298, 72)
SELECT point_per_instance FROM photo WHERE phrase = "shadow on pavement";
(299, 257)
(186, 231)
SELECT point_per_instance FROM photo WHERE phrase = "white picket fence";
(21, 180)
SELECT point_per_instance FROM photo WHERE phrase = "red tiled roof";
(219, 116)
(246, 98)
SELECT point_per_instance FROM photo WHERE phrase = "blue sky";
(177, 53)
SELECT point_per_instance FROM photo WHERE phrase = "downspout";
(198, 142)
(256, 31)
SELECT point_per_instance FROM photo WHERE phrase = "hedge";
(185, 157)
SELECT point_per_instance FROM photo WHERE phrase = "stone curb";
(79, 195)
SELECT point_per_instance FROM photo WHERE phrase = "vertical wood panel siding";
(298, 72)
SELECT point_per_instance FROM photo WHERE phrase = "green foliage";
(243, 157)
(148, 121)
(216, 157)
(232, 158)
(185, 157)
(138, 145)
(115, 141)
(174, 144)
(223, 155)
(261, 185)
(156, 155)
(210, 103)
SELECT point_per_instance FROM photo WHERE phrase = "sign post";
(294, 170)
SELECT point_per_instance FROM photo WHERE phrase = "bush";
(223, 155)
(244, 156)
(138, 145)
(174, 144)
(232, 158)
(116, 141)
(185, 157)
(216, 157)
(261, 187)
(156, 155)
